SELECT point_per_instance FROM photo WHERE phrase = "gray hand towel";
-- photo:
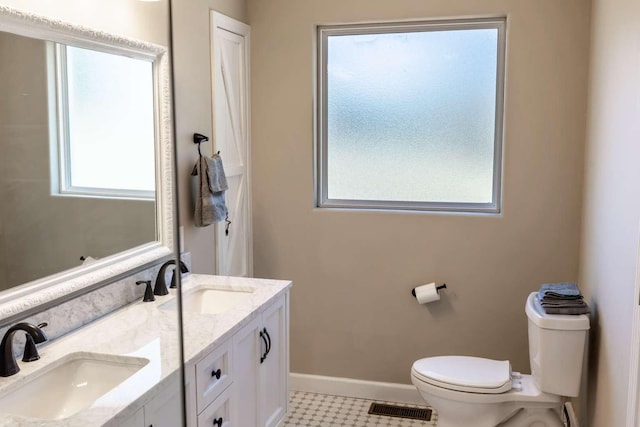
(567, 310)
(559, 306)
(558, 303)
(210, 203)
(215, 174)
(564, 291)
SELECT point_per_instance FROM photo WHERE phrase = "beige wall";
(352, 314)
(32, 220)
(609, 256)
(192, 79)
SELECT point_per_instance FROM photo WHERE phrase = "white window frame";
(61, 184)
(321, 115)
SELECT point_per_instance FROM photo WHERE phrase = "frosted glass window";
(107, 117)
(411, 116)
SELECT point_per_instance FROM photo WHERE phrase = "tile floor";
(323, 410)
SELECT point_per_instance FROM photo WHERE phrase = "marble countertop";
(147, 330)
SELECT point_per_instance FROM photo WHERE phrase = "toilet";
(476, 392)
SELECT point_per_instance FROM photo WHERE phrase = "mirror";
(85, 159)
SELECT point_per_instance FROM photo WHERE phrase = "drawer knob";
(216, 373)
(218, 422)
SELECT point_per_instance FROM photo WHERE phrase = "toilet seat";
(527, 395)
(463, 373)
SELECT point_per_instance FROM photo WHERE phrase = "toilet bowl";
(477, 392)
(481, 402)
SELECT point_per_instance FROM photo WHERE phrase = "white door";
(230, 85)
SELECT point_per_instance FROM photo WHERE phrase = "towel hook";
(199, 138)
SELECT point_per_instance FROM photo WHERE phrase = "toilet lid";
(462, 373)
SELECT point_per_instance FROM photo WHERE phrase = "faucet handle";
(148, 292)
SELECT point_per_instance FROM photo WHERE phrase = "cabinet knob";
(218, 422)
(216, 373)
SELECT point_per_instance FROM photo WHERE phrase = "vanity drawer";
(213, 375)
(218, 414)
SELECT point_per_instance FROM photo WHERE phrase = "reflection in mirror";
(104, 113)
(86, 210)
(78, 123)
(85, 160)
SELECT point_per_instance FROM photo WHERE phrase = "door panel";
(230, 65)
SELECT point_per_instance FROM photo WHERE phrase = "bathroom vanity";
(126, 370)
(243, 376)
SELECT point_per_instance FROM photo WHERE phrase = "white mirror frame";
(42, 293)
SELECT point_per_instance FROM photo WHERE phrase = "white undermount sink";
(208, 300)
(69, 386)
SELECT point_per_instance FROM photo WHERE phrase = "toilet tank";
(557, 345)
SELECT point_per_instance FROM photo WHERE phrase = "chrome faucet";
(161, 285)
(8, 365)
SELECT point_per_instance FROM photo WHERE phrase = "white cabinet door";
(165, 410)
(274, 370)
(247, 349)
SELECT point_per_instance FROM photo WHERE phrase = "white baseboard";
(391, 392)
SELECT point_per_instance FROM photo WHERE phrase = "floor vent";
(422, 414)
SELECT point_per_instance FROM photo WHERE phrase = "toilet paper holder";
(443, 286)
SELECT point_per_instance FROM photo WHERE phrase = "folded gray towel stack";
(562, 298)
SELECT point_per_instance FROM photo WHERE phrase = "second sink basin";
(70, 385)
(208, 300)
